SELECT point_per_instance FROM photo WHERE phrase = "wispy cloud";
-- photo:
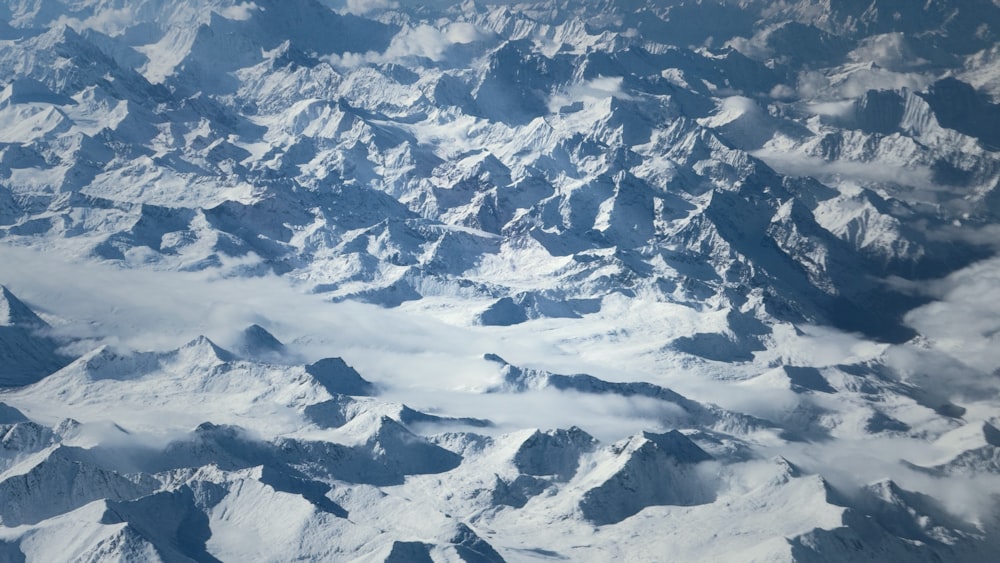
(793, 164)
(240, 12)
(965, 321)
(439, 367)
(600, 88)
(362, 7)
(423, 41)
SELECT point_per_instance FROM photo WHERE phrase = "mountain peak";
(337, 377)
(256, 342)
(698, 195)
(202, 347)
(13, 312)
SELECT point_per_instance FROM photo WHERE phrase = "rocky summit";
(592, 280)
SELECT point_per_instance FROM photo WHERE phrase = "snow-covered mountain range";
(606, 279)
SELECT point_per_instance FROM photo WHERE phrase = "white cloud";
(159, 310)
(855, 81)
(432, 365)
(600, 88)
(812, 84)
(240, 12)
(836, 172)
(986, 235)
(111, 22)
(421, 41)
(782, 92)
(860, 81)
(839, 108)
(890, 51)
(965, 322)
(463, 33)
(361, 7)
(754, 47)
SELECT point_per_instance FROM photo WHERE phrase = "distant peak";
(337, 377)
(13, 312)
(255, 340)
(204, 344)
(678, 446)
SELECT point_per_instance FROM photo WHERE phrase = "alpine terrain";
(482, 281)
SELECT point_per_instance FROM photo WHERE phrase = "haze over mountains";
(590, 280)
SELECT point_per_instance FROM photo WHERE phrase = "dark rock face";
(337, 377)
(555, 453)
(26, 353)
(879, 111)
(959, 106)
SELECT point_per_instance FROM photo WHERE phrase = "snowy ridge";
(272, 255)
(206, 484)
(25, 350)
(257, 141)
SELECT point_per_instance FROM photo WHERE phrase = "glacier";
(499, 280)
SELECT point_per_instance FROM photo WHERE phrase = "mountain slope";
(760, 237)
